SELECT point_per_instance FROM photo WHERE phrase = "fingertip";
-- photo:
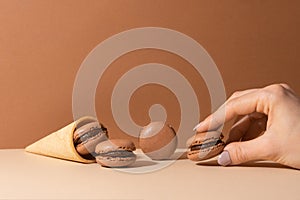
(224, 158)
(235, 153)
(197, 126)
(245, 151)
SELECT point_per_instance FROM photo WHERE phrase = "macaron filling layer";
(206, 145)
(117, 154)
(94, 131)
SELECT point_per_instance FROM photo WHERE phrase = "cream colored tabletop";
(29, 176)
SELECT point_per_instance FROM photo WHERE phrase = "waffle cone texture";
(59, 144)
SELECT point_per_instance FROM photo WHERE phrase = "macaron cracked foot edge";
(115, 153)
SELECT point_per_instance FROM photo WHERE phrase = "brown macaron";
(115, 153)
(158, 140)
(206, 145)
(87, 137)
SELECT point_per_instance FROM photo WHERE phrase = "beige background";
(43, 43)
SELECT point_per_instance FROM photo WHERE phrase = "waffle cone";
(59, 144)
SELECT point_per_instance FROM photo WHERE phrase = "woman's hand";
(269, 128)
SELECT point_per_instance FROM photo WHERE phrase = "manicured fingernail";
(197, 126)
(224, 158)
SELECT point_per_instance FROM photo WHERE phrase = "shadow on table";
(265, 164)
(142, 163)
(179, 156)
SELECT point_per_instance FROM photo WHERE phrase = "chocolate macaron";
(158, 140)
(115, 153)
(206, 145)
(87, 137)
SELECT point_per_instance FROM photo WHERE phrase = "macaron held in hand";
(205, 145)
(267, 128)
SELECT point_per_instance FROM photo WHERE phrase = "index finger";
(245, 104)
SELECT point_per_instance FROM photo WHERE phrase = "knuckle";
(240, 155)
(285, 85)
(235, 94)
(230, 105)
(276, 88)
(275, 92)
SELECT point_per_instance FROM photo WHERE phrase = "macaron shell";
(115, 144)
(79, 131)
(89, 145)
(115, 162)
(165, 152)
(158, 140)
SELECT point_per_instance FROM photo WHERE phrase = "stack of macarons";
(87, 137)
(91, 141)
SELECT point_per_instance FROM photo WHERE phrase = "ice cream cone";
(59, 144)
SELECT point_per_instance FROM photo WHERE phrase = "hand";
(269, 128)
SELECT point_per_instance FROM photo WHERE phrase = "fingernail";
(224, 158)
(197, 126)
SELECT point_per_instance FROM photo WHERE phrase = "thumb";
(240, 152)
